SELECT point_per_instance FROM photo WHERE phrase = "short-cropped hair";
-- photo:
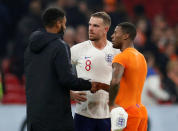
(103, 15)
(51, 15)
(128, 28)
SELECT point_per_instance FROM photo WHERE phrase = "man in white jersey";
(93, 60)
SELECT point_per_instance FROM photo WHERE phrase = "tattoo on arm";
(118, 71)
(112, 94)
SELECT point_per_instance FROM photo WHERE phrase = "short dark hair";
(51, 15)
(128, 28)
(103, 15)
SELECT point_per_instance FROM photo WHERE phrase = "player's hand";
(78, 96)
(98, 86)
(94, 87)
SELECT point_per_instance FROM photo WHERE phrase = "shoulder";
(122, 58)
(81, 45)
(135, 56)
(136, 53)
(125, 53)
(110, 44)
(130, 52)
(142, 55)
(60, 46)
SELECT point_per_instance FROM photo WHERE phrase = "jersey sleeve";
(74, 54)
(121, 58)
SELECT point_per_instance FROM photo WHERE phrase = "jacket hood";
(40, 39)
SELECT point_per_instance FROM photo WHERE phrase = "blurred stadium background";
(157, 39)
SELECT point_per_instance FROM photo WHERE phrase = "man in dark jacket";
(49, 77)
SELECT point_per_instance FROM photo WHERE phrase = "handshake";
(79, 96)
(99, 86)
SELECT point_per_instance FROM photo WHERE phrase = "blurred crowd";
(157, 39)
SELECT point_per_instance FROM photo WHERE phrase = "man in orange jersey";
(129, 73)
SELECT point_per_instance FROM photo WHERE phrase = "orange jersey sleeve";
(131, 84)
(121, 59)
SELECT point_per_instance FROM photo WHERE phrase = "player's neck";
(52, 30)
(127, 44)
(100, 44)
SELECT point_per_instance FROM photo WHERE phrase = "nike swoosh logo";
(86, 57)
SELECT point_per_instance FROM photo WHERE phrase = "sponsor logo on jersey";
(87, 57)
(109, 58)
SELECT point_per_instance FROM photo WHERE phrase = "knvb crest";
(109, 58)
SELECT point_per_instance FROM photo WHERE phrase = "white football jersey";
(95, 65)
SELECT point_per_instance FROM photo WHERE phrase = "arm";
(118, 71)
(99, 86)
(64, 71)
(117, 112)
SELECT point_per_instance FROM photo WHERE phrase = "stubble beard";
(93, 38)
(118, 46)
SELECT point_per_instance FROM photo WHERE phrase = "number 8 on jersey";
(88, 65)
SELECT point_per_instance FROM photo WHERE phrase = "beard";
(93, 38)
(61, 31)
(117, 46)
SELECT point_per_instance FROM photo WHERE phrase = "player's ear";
(106, 28)
(126, 36)
(58, 23)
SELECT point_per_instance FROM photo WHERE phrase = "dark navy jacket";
(49, 79)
